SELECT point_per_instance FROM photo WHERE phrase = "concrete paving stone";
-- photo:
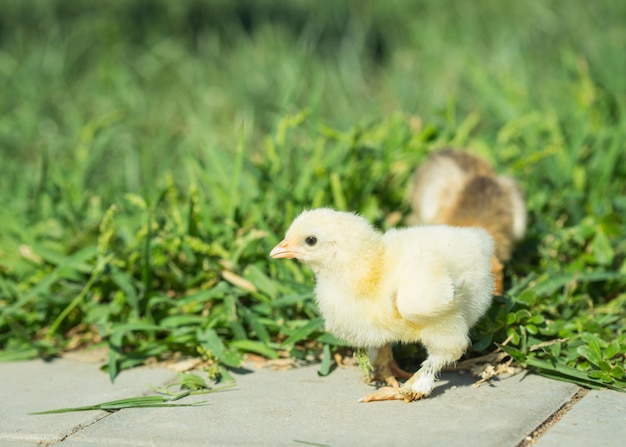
(298, 408)
(598, 419)
(19, 443)
(37, 385)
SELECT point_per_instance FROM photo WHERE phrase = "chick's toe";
(384, 393)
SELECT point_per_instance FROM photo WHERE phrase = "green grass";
(152, 154)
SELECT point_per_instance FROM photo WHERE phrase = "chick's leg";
(386, 369)
(417, 387)
(423, 381)
(443, 348)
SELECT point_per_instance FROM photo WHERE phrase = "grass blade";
(141, 402)
(137, 402)
(324, 368)
(304, 331)
(79, 298)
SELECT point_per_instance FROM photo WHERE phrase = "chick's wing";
(428, 295)
(424, 287)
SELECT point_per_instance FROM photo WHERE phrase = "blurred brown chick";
(457, 188)
(425, 284)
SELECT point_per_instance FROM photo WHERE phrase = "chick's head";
(325, 238)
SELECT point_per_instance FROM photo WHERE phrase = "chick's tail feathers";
(498, 275)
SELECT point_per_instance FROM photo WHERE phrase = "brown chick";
(427, 284)
(457, 188)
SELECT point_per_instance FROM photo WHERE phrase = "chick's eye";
(311, 241)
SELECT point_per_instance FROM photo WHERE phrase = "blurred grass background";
(152, 152)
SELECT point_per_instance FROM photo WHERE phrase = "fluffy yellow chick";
(425, 284)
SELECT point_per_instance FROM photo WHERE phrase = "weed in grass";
(364, 362)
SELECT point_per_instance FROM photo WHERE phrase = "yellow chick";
(425, 284)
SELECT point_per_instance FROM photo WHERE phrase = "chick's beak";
(282, 250)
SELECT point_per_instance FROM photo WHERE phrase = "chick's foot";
(417, 387)
(404, 393)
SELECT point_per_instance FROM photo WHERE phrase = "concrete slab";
(297, 407)
(598, 419)
(38, 385)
